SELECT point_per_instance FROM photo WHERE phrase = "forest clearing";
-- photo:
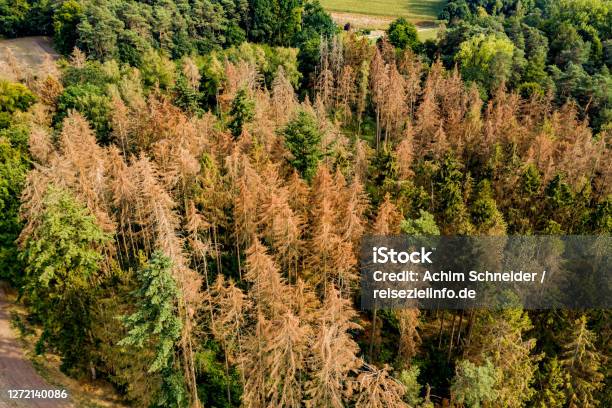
(30, 54)
(377, 15)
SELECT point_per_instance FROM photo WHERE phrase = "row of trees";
(563, 47)
(126, 30)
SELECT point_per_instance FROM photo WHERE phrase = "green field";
(414, 10)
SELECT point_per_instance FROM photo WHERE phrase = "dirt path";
(16, 372)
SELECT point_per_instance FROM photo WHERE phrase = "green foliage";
(383, 174)
(14, 164)
(550, 383)
(267, 60)
(486, 217)
(303, 140)
(14, 97)
(500, 337)
(185, 96)
(23, 17)
(65, 20)
(242, 112)
(403, 34)
(214, 380)
(560, 46)
(316, 23)
(582, 363)
(156, 316)
(62, 261)
(474, 385)
(486, 59)
(157, 69)
(91, 73)
(12, 16)
(211, 69)
(155, 324)
(424, 225)
(449, 182)
(409, 378)
(13, 169)
(92, 102)
(275, 22)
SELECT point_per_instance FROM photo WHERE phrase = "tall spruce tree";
(242, 112)
(155, 324)
(582, 364)
(303, 140)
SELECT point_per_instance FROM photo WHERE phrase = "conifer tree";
(379, 82)
(242, 112)
(581, 362)
(486, 217)
(269, 290)
(287, 348)
(156, 323)
(549, 385)
(334, 354)
(498, 337)
(388, 218)
(303, 140)
(394, 108)
(283, 97)
(377, 389)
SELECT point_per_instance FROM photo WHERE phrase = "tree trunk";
(440, 331)
(371, 352)
(450, 343)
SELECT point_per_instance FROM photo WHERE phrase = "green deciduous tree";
(14, 97)
(403, 34)
(13, 168)
(486, 59)
(62, 257)
(65, 20)
(425, 224)
(474, 385)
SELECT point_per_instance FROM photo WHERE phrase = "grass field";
(377, 14)
(414, 10)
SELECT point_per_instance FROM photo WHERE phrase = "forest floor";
(16, 371)
(22, 368)
(32, 54)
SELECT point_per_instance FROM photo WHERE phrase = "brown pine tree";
(388, 218)
(334, 354)
(377, 389)
(269, 290)
(393, 106)
(379, 83)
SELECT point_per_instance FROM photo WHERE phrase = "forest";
(185, 191)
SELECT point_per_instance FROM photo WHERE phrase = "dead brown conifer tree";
(334, 354)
